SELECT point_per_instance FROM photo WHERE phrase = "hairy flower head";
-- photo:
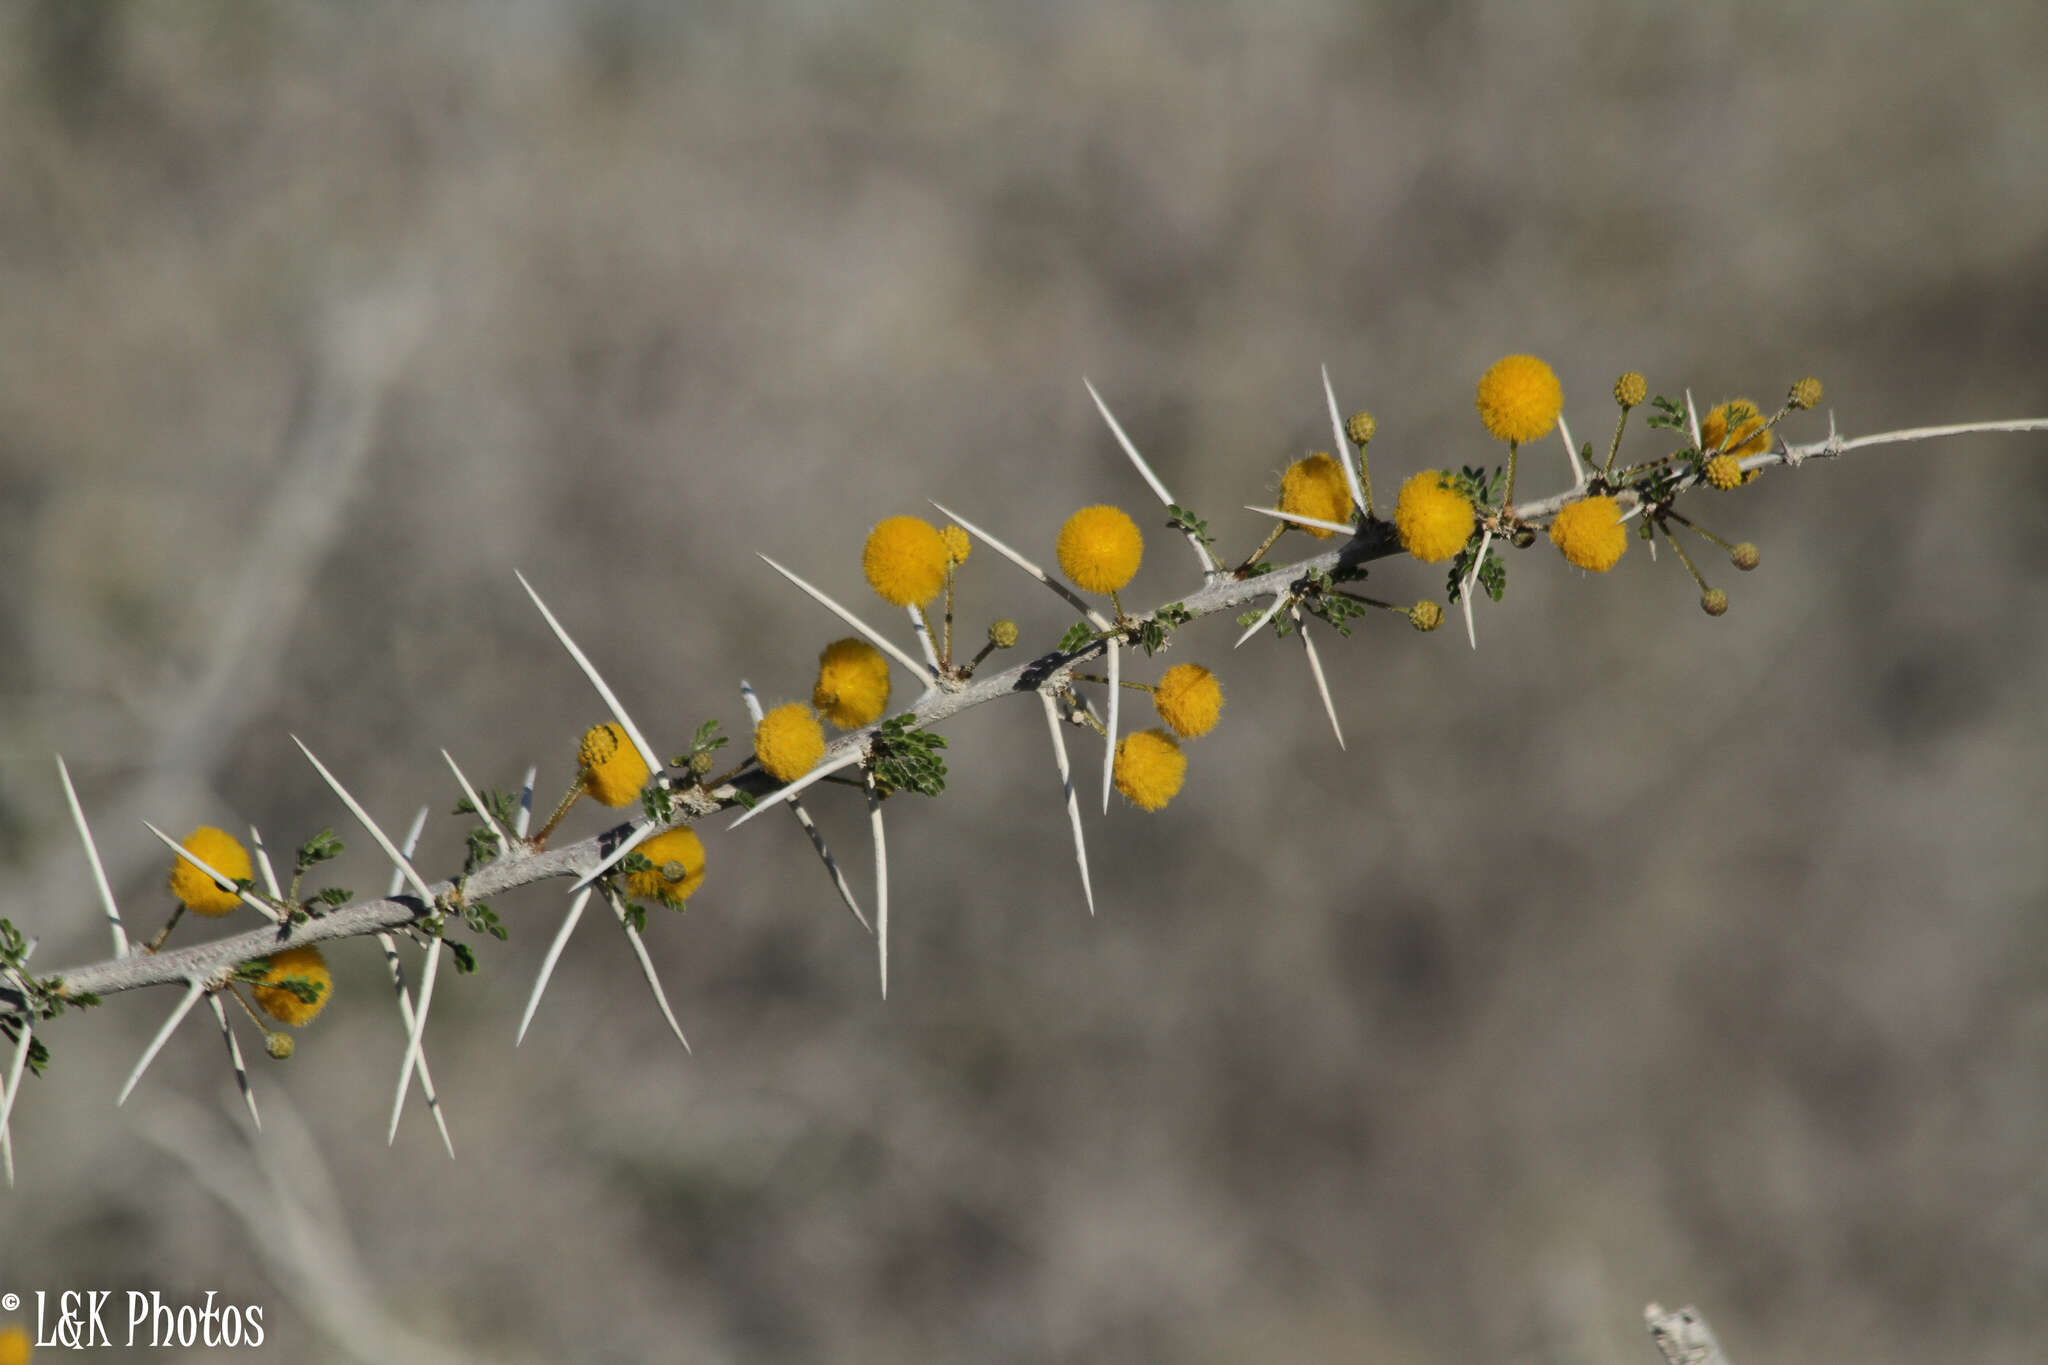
(905, 561)
(1434, 519)
(1739, 426)
(16, 1346)
(306, 967)
(789, 742)
(1315, 486)
(853, 683)
(958, 546)
(1631, 389)
(1189, 699)
(1519, 398)
(678, 858)
(1100, 548)
(220, 851)
(1805, 394)
(613, 770)
(1149, 768)
(1590, 533)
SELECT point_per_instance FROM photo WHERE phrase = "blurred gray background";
(1638, 955)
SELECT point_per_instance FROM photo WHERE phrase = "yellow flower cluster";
(303, 965)
(1189, 698)
(678, 858)
(1099, 548)
(905, 561)
(958, 546)
(1433, 518)
(1741, 417)
(1149, 768)
(1519, 398)
(16, 1346)
(1590, 534)
(1316, 487)
(853, 683)
(223, 853)
(789, 742)
(613, 770)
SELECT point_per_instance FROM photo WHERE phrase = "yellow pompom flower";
(1724, 472)
(1149, 768)
(1741, 416)
(789, 742)
(1189, 698)
(1519, 398)
(1315, 487)
(613, 770)
(220, 851)
(1100, 548)
(1433, 518)
(1804, 394)
(905, 561)
(853, 683)
(303, 965)
(678, 858)
(958, 546)
(1590, 533)
(16, 1346)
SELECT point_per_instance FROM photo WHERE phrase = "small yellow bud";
(700, 764)
(958, 546)
(1724, 472)
(1425, 615)
(279, 1045)
(1630, 389)
(1744, 556)
(1002, 634)
(1361, 428)
(1714, 602)
(1805, 394)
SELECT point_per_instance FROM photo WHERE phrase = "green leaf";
(318, 849)
(905, 758)
(1078, 635)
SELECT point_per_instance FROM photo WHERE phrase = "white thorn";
(163, 1035)
(881, 884)
(824, 770)
(1283, 599)
(398, 860)
(411, 844)
(1115, 701)
(525, 817)
(415, 1035)
(1069, 796)
(1145, 470)
(810, 826)
(874, 637)
(1471, 582)
(1571, 452)
(483, 812)
(262, 852)
(547, 966)
(1095, 618)
(405, 1017)
(1692, 418)
(223, 882)
(647, 754)
(646, 967)
(1342, 528)
(1315, 666)
(924, 639)
(11, 1091)
(92, 855)
(1343, 450)
(227, 1031)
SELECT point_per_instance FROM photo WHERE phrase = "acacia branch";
(215, 961)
